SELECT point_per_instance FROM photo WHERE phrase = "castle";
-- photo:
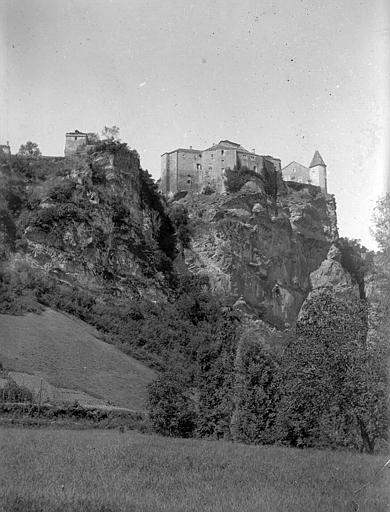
(195, 169)
(184, 170)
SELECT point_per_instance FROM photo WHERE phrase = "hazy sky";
(286, 77)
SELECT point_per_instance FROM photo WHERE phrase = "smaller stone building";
(5, 151)
(74, 141)
(315, 174)
(180, 170)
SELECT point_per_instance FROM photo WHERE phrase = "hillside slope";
(67, 353)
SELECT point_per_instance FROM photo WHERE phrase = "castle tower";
(318, 172)
(74, 141)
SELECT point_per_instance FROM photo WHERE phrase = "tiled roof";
(317, 160)
(226, 144)
(184, 150)
(76, 132)
(294, 162)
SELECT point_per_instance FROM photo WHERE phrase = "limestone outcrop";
(96, 221)
(259, 251)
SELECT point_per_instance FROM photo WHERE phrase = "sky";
(286, 77)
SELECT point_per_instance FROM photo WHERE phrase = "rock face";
(96, 221)
(331, 274)
(258, 250)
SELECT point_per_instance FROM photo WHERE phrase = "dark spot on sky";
(204, 61)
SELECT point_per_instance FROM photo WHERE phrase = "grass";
(68, 354)
(108, 471)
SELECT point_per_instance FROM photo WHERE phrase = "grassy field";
(110, 471)
(67, 353)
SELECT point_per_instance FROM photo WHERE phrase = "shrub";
(171, 412)
(207, 191)
(237, 177)
(12, 392)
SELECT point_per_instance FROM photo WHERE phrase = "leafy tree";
(30, 149)
(256, 389)
(171, 411)
(334, 383)
(179, 217)
(357, 260)
(110, 133)
(238, 176)
(93, 138)
(381, 217)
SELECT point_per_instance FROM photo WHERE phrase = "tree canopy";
(30, 149)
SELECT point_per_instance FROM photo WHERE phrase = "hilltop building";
(315, 174)
(75, 141)
(5, 151)
(194, 169)
(180, 170)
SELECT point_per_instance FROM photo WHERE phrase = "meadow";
(69, 355)
(110, 471)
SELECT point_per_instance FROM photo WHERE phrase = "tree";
(171, 411)
(256, 389)
(357, 260)
(238, 176)
(110, 133)
(381, 218)
(93, 138)
(30, 149)
(334, 382)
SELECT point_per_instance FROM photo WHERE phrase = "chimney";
(190, 147)
(253, 150)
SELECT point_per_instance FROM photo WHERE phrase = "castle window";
(198, 167)
(212, 156)
(210, 167)
(222, 151)
(75, 138)
(189, 181)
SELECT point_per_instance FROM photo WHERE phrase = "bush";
(207, 191)
(237, 177)
(12, 392)
(171, 412)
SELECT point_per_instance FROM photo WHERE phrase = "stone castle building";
(74, 141)
(315, 174)
(195, 169)
(5, 152)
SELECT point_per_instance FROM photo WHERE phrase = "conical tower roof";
(317, 160)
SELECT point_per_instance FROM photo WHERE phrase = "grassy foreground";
(110, 471)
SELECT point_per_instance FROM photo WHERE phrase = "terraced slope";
(68, 354)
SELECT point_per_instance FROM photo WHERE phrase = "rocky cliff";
(94, 221)
(97, 221)
(259, 250)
